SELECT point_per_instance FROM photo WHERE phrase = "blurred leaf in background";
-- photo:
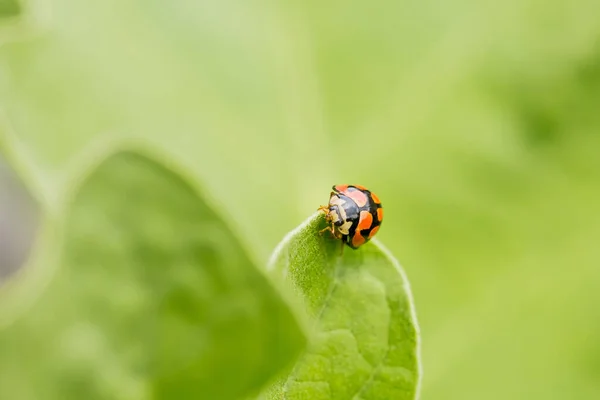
(9, 8)
(475, 122)
(153, 298)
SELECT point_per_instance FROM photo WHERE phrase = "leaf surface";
(364, 332)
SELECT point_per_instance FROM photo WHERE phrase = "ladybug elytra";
(354, 214)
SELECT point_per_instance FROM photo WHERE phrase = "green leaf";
(154, 298)
(365, 337)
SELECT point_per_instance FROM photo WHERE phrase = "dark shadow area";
(9, 8)
(19, 219)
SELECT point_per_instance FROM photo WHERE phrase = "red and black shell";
(355, 214)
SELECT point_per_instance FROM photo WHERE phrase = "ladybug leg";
(327, 228)
(325, 209)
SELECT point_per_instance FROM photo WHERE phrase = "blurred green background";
(476, 123)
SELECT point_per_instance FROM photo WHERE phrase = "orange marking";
(341, 188)
(360, 187)
(359, 197)
(358, 240)
(380, 214)
(365, 221)
(373, 232)
(375, 198)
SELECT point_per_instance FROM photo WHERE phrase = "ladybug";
(354, 214)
